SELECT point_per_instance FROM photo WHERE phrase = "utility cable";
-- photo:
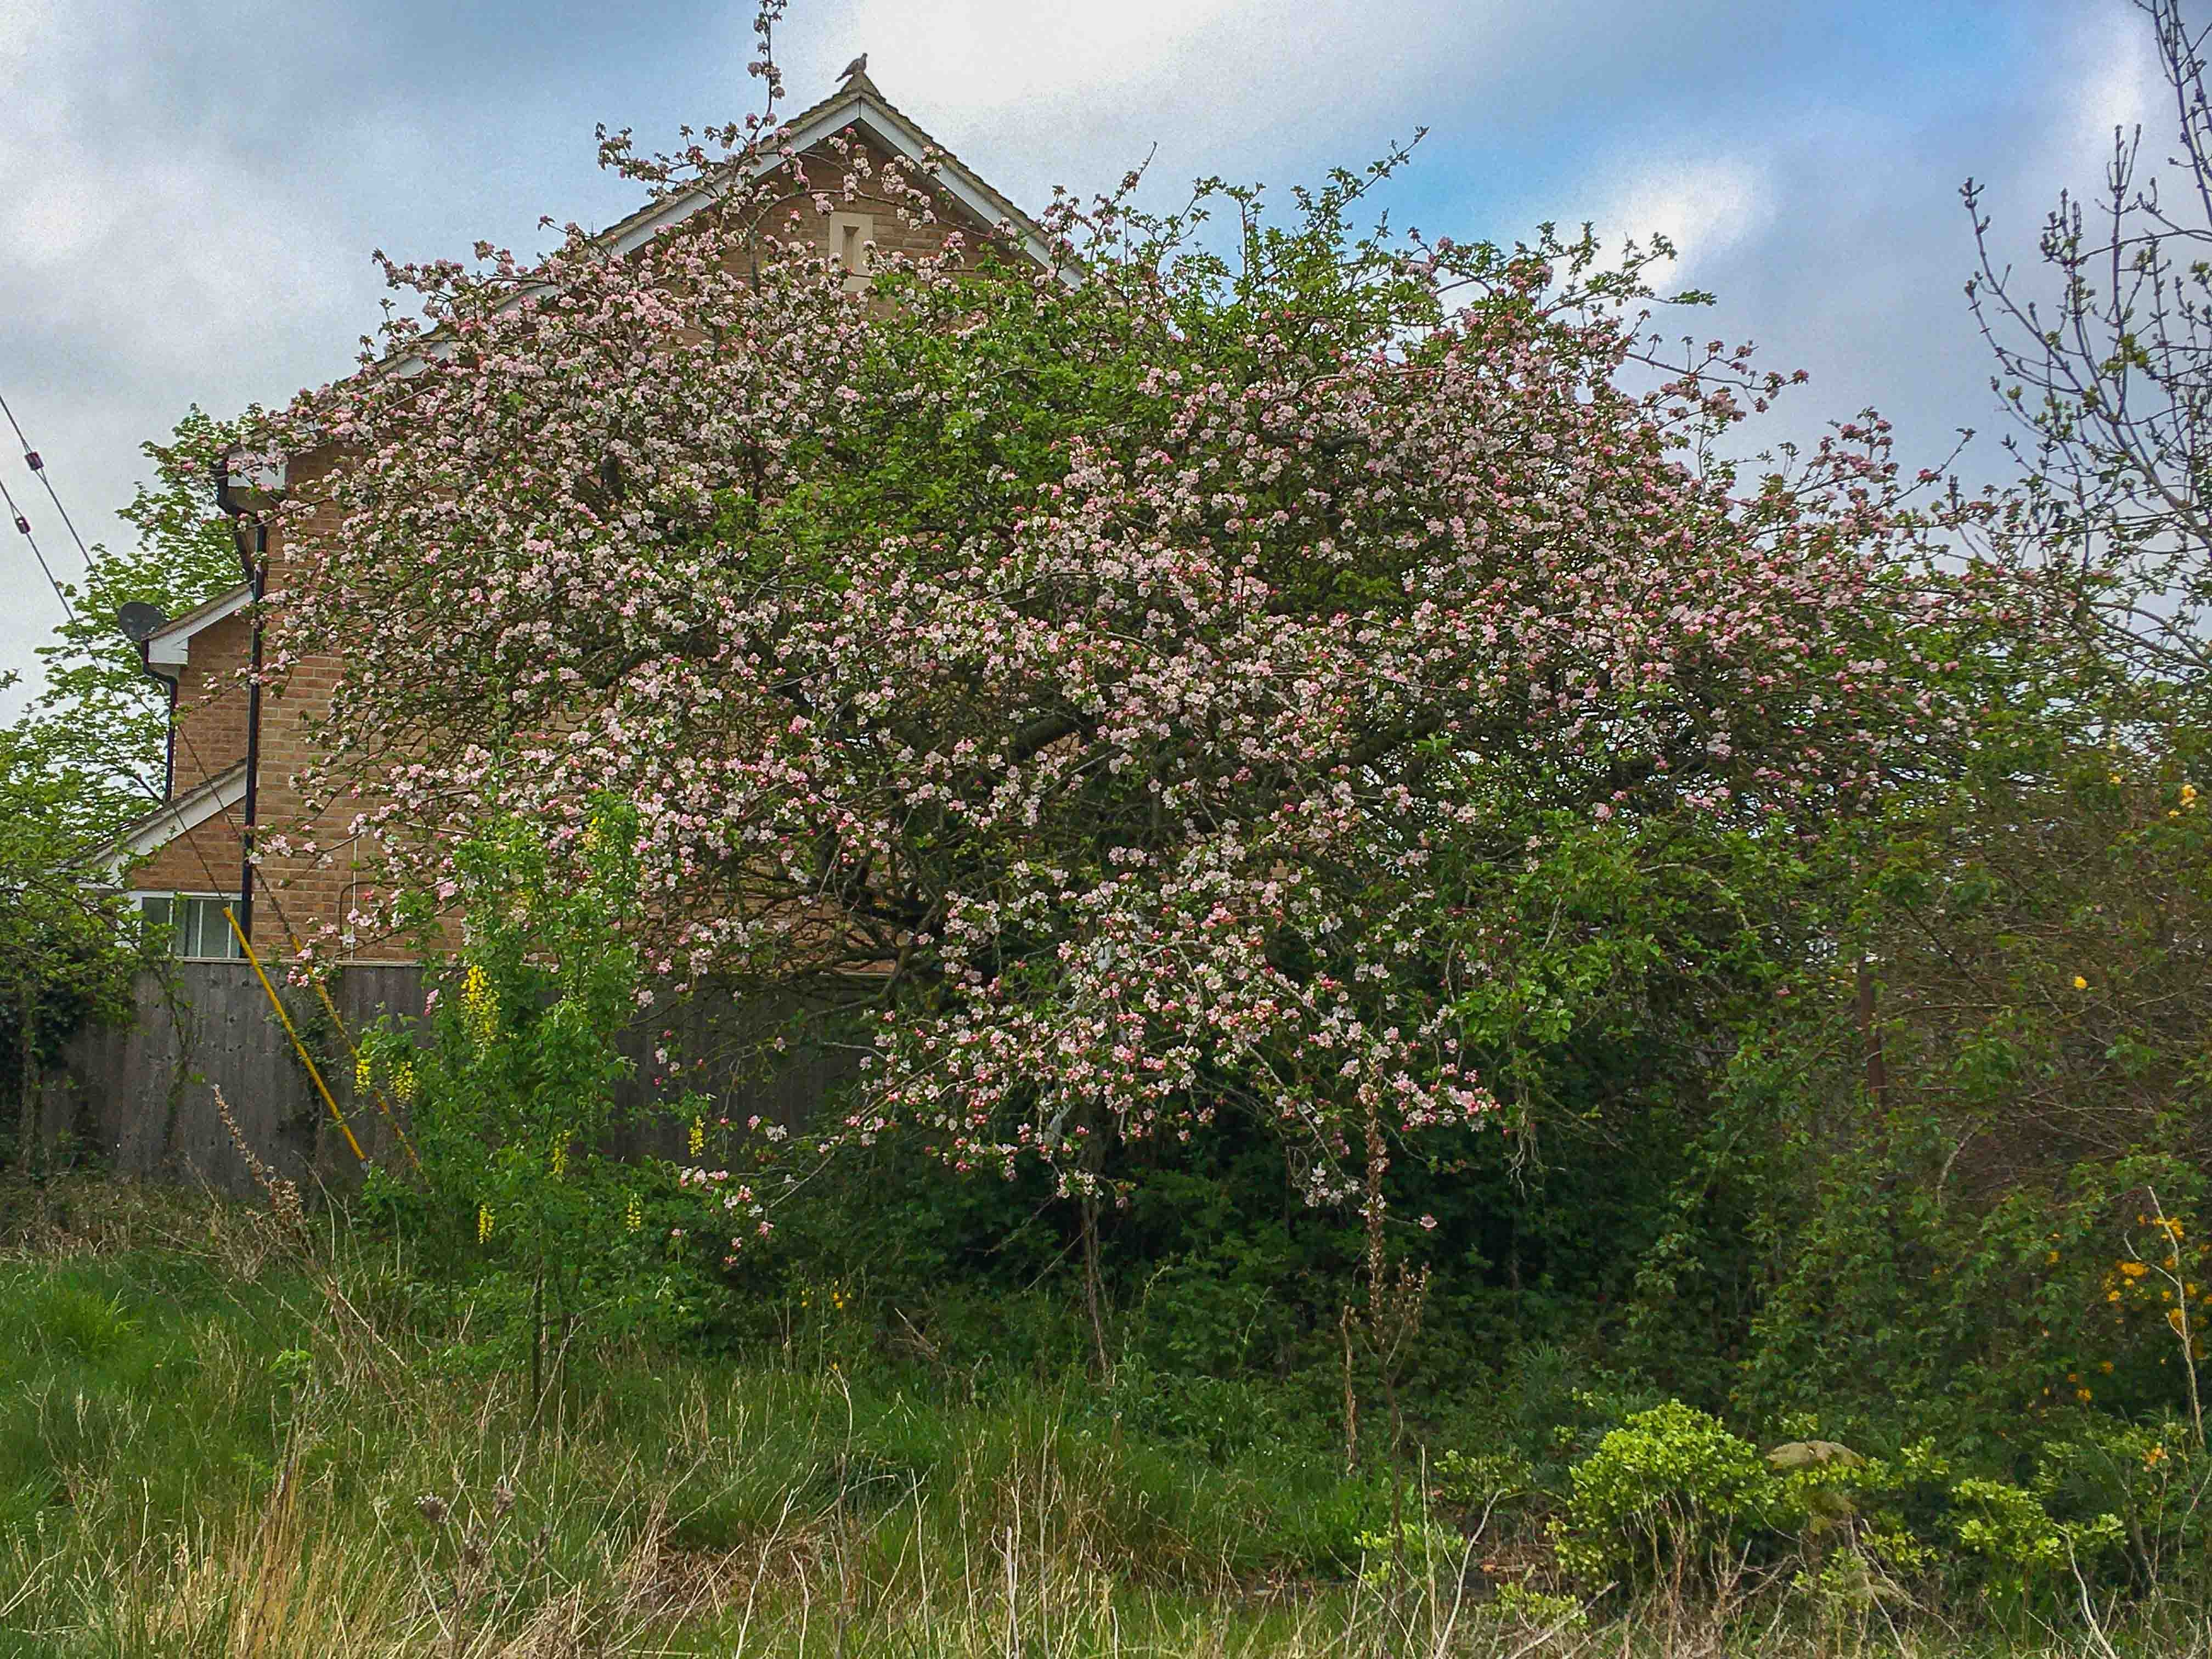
(32, 460)
(37, 464)
(24, 524)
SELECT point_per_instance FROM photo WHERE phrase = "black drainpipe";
(169, 733)
(260, 573)
(256, 572)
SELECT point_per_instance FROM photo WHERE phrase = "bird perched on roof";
(858, 66)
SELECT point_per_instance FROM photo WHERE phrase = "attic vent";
(849, 236)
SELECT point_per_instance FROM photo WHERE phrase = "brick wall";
(301, 894)
(211, 702)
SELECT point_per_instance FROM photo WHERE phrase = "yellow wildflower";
(2133, 1269)
(2083, 1395)
(2154, 1457)
(2080, 983)
(479, 1005)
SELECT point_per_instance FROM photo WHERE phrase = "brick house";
(233, 755)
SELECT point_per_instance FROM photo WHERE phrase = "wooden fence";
(141, 1098)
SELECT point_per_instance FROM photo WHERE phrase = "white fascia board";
(158, 828)
(679, 208)
(855, 110)
(956, 179)
(170, 645)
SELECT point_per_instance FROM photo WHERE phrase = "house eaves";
(857, 106)
(168, 647)
(149, 834)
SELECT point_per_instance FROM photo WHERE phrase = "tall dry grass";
(221, 1437)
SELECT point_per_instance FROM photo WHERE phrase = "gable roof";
(168, 647)
(164, 824)
(858, 105)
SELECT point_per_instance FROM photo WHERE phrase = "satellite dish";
(137, 620)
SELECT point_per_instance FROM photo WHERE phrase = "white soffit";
(170, 645)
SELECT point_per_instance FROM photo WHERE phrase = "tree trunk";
(1877, 1079)
(26, 1149)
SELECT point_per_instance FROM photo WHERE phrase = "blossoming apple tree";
(1107, 684)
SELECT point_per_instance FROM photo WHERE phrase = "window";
(197, 921)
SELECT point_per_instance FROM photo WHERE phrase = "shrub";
(511, 1095)
(1669, 1494)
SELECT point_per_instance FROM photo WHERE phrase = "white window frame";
(139, 897)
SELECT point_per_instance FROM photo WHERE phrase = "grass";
(214, 1440)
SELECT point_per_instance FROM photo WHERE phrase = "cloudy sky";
(189, 189)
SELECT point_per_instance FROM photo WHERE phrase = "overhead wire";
(36, 462)
(23, 524)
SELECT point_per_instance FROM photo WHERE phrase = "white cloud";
(2111, 64)
(180, 223)
(1706, 206)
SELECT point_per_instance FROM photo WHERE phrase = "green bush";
(510, 1093)
(1670, 1494)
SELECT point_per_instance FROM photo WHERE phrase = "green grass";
(211, 1444)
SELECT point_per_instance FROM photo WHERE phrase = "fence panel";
(143, 1095)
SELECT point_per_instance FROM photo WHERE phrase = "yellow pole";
(354, 1049)
(298, 1047)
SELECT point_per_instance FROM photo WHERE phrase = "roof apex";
(858, 103)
